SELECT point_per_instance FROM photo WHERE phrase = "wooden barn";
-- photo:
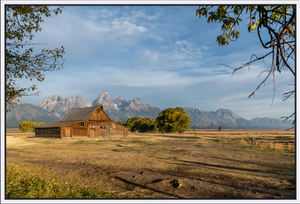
(87, 122)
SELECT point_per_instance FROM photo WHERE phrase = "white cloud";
(138, 14)
(151, 55)
(155, 17)
(141, 78)
(177, 55)
(101, 13)
(155, 37)
(141, 14)
(96, 28)
(177, 51)
(181, 42)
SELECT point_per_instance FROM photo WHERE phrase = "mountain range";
(54, 107)
(27, 112)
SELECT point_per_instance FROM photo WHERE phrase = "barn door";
(101, 132)
(92, 132)
(106, 132)
(124, 132)
(67, 132)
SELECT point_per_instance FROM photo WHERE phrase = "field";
(253, 164)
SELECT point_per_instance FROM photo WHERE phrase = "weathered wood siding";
(75, 125)
(99, 130)
(80, 131)
(48, 132)
(101, 123)
(125, 132)
(116, 125)
(99, 114)
(66, 132)
(116, 132)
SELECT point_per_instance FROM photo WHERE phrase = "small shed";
(87, 122)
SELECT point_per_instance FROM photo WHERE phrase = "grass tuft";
(21, 184)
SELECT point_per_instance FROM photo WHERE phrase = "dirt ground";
(191, 165)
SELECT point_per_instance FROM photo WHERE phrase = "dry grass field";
(197, 164)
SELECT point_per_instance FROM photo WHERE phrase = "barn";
(87, 122)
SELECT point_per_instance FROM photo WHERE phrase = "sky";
(164, 55)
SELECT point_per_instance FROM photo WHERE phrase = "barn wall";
(75, 125)
(79, 131)
(116, 125)
(116, 132)
(99, 123)
(125, 132)
(48, 132)
(99, 130)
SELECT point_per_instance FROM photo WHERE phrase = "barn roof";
(73, 116)
(79, 114)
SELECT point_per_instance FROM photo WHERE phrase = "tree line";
(170, 120)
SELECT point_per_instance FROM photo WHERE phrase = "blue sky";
(162, 54)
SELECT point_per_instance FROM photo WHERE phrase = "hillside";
(27, 112)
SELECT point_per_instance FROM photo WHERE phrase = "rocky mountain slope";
(233, 119)
(27, 112)
(272, 123)
(203, 119)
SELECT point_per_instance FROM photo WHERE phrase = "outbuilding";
(87, 122)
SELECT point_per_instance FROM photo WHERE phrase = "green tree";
(131, 123)
(277, 22)
(220, 128)
(147, 125)
(21, 61)
(173, 120)
(141, 124)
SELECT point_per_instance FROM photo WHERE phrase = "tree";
(28, 126)
(278, 22)
(141, 124)
(131, 123)
(220, 128)
(147, 125)
(173, 120)
(21, 61)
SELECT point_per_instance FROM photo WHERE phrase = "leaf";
(253, 27)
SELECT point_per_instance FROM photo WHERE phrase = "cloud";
(140, 78)
(141, 14)
(88, 30)
(177, 55)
